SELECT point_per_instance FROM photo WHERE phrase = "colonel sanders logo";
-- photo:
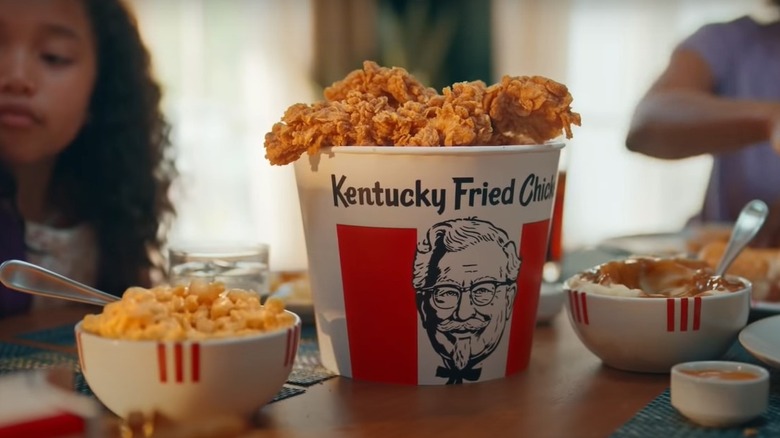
(465, 275)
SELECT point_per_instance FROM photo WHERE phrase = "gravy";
(661, 277)
(722, 374)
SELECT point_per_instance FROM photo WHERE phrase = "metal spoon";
(33, 279)
(750, 220)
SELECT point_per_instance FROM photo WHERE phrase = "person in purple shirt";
(85, 162)
(720, 95)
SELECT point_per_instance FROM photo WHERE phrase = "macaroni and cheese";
(196, 311)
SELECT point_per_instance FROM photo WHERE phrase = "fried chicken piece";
(284, 144)
(311, 127)
(759, 265)
(365, 108)
(408, 121)
(455, 118)
(379, 106)
(529, 110)
(394, 83)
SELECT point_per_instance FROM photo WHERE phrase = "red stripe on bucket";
(533, 243)
(696, 313)
(683, 314)
(670, 314)
(379, 300)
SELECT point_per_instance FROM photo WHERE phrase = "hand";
(769, 235)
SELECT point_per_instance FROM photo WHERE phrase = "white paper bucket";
(426, 262)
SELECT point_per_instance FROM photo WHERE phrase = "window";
(229, 69)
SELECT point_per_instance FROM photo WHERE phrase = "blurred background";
(230, 68)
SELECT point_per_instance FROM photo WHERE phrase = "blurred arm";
(680, 116)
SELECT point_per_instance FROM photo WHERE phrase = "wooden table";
(565, 392)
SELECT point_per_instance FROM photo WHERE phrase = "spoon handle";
(33, 279)
(749, 222)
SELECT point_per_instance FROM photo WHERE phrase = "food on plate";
(381, 106)
(759, 265)
(653, 277)
(702, 236)
(198, 310)
(721, 374)
(292, 287)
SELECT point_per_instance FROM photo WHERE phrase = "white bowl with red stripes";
(653, 334)
(188, 379)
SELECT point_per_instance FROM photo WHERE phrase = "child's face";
(48, 68)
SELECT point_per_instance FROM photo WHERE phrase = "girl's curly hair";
(117, 172)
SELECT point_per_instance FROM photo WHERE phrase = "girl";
(85, 165)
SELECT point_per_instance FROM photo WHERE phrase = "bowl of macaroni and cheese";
(647, 314)
(188, 351)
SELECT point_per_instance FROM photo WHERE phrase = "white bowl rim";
(725, 365)
(205, 341)
(444, 150)
(748, 287)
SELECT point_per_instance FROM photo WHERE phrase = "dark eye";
(446, 297)
(445, 291)
(56, 60)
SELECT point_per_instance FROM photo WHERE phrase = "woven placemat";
(308, 369)
(60, 336)
(15, 357)
(660, 419)
(287, 392)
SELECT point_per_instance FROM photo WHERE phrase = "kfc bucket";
(426, 262)
(426, 219)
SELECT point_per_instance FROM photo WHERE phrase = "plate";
(766, 306)
(688, 240)
(762, 340)
(657, 244)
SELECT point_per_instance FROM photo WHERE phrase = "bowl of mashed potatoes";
(647, 314)
(188, 351)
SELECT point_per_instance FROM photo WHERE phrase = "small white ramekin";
(718, 402)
